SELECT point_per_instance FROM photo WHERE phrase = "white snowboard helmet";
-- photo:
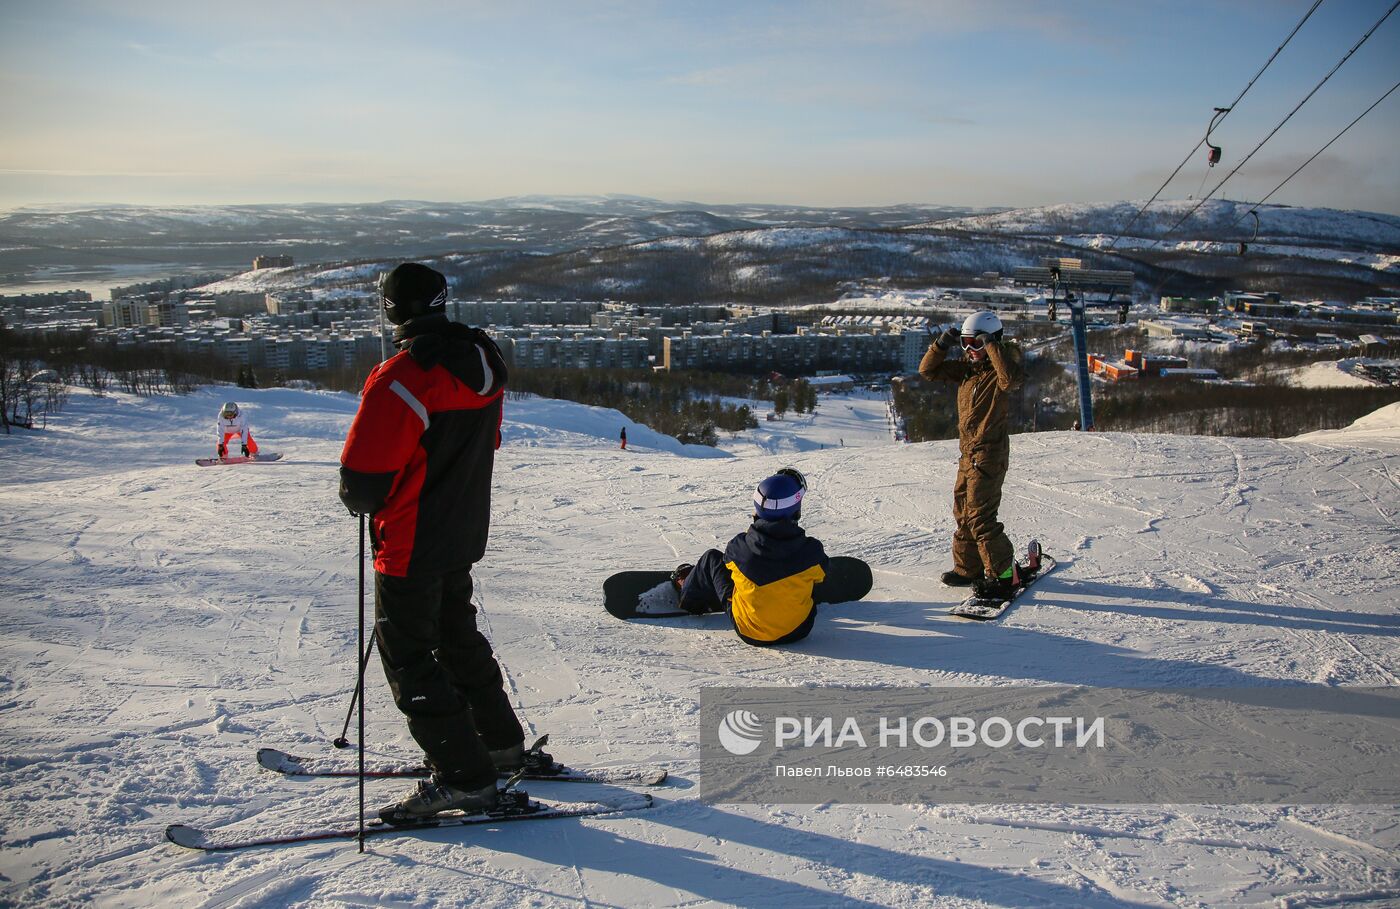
(230, 410)
(982, 323)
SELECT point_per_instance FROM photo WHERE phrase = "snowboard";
(847, 579)
(986, 610)
(262, 457)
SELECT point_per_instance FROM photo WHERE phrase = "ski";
(522, 809)
(292, 765)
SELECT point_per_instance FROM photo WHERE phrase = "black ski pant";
(444, 677)
(708, 586)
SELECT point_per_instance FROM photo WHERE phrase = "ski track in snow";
(163, 620)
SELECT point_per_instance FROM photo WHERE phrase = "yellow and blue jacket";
(773, 566)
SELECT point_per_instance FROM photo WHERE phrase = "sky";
(958, 102)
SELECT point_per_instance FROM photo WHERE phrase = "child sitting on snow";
(765, 577)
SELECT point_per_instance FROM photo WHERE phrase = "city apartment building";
(523, 312)
(301, 330)
(152, 310)
(295, 351)
(1198, 305)
(801, 353)
(543, 350)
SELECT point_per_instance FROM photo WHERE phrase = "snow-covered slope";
(161, 620)
(1345, 373)
(1381, 427)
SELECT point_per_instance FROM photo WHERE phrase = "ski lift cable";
(1204, 177)
(1347, 56)
(1310, 160)
(1214, 124)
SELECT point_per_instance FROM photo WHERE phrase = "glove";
(223, 452)
(948, 340)
(245, 451)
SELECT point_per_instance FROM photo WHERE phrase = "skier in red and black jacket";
(418, 460)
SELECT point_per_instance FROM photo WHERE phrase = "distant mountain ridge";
(648, 250)
(347, 231)
(1215, 220)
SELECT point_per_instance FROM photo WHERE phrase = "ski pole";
(342, 741)
(360, 686)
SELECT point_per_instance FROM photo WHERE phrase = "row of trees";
(1268, 410)
(26, 396)
(36, 370)
(799, 397)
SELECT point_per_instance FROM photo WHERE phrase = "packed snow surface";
(162, 620)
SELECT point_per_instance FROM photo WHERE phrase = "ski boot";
(534, 761)
(433, 796)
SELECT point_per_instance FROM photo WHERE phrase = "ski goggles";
(972, 343)
(437, 302)
(795, 474)
(230, 414)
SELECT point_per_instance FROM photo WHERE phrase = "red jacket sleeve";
(383, 437)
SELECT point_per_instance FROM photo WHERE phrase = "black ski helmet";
(412, 290)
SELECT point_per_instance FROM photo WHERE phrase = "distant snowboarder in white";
(232, 423)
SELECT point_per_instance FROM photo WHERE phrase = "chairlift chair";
(1213, 156)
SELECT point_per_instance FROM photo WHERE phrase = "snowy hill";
(44, 239)
(1216, 219)
(1349, 372)
(163, 620)
(1300, 252)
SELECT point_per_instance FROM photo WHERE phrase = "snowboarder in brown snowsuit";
(990, 370)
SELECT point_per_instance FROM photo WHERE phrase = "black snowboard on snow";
(986, 610)
(262, 457)
(847, 579)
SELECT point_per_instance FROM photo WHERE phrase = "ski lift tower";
(1075, 280)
